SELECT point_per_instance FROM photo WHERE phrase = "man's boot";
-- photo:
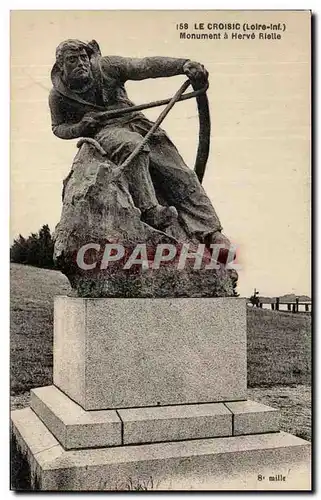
(160, 217)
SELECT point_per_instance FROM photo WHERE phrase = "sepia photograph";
(160, 250)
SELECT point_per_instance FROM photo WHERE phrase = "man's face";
(76, 65)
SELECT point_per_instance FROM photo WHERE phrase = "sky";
(258, 173)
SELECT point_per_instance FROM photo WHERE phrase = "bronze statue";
(168, 195)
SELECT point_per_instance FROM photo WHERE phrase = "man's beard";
(79, 82)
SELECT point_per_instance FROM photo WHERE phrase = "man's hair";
(90, 47)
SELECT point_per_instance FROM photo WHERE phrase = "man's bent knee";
(131, 145)
(120, 144)
(128, 147)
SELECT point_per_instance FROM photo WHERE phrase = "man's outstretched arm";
(129, 68)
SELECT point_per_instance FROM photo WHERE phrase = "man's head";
(73, 59)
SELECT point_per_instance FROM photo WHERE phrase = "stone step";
(75, 427)
(174, 423)
(276, 461)
(250, 417)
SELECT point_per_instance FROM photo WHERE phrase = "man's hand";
(195, 72)
(89, 123)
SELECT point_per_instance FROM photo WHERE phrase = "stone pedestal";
(125, 353)
(151, 393)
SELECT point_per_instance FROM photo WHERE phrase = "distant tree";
(45, 247)
(19, 250)
(36, 250)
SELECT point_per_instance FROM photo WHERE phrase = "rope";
(93, 142)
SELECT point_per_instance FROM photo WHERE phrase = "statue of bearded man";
(84, 84)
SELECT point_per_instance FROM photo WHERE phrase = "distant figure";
(254, 299)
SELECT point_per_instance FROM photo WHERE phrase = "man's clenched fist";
(89, 123)
(195, 72)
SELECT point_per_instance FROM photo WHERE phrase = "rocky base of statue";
(106, 250)
(164, 282)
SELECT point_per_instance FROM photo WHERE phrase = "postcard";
(161, 250)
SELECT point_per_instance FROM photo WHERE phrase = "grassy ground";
(279, 348)
(294, 403)
(31, 317)
(279, 345)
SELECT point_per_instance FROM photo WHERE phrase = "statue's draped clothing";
(175, 183)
